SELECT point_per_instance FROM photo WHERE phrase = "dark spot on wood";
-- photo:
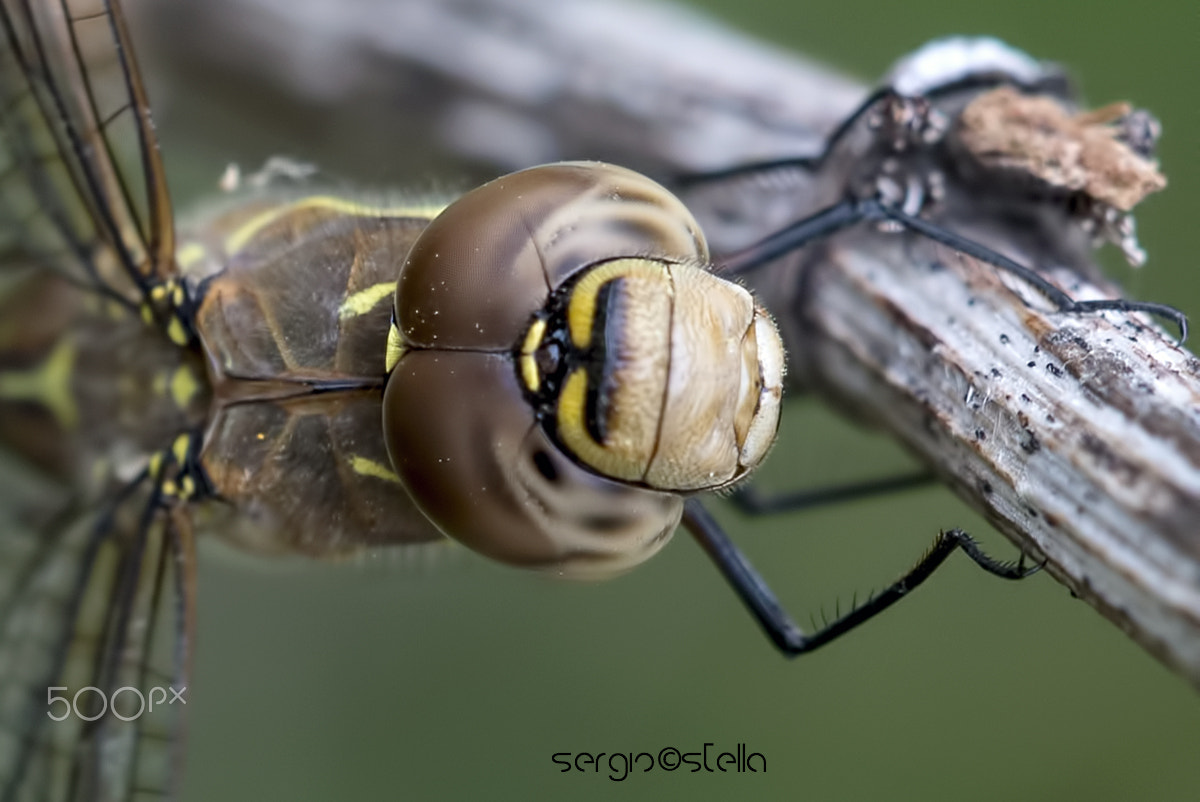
(1031, 364)
(1108, 378)
(1004, 339)
(1054, 370)
(1108, 460)
(1029, 441)
(1026, 398)
(1052, 520)
(985, 487)
(980, 434)
(997, 374)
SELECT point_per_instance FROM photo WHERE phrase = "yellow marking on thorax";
(48, 384)
(179, 448)
(395, 348)
(176, 331)
(183, 386)
(188, 254)
(369, 467)
(364, 301)
(252, 227)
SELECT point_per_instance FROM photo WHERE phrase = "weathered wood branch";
(1078, 437)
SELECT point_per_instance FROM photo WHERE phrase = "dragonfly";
(270, 375)
(545, 369)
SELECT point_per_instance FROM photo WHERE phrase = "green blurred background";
(456, 679)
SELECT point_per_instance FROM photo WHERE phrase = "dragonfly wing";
(97, 618)
(69, 92)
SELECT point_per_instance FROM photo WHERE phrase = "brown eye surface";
(563, 366)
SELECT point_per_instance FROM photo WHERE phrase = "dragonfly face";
(540, 370)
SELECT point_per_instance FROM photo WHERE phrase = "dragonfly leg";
(752, 501)
(850, 212)
(874, 209)
(775, 621)
(1053, 84)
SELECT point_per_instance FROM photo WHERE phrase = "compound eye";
(491, 259)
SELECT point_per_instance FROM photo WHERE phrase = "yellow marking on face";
(571, 403)
(364, 301)
(572, 430)
(395, 348)
(188, 254)
(369, 467)
(183, 386)
(251, 228)
(158, 293)
(177, 332)
(529, 369)
(179, 449)
(48, 384)
(581, 311)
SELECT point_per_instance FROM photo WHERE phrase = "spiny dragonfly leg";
(775, 621)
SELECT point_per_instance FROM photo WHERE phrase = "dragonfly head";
(564, 366)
